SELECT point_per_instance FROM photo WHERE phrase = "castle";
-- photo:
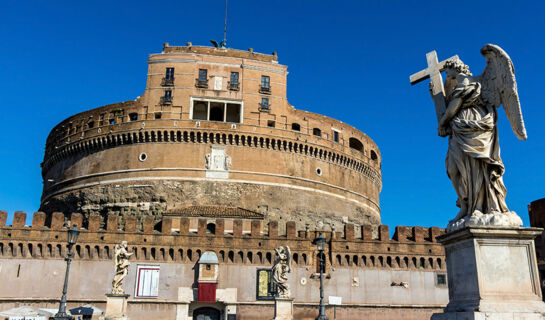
(204, 175)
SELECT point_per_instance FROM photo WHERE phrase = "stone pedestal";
(492, 274)
(283, 309)
(116, 307)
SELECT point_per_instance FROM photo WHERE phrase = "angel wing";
(499, 86)
(288, 254)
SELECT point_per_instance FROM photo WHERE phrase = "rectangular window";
(265, 288)
(203, 75)
(265, 102)
(169, 74)
(441, 279)
(234, 78)
(133, 116)
(168, 93)
(265, 82)
(147, 281)
(335, 135)
(216, 110)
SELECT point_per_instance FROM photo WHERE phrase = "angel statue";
(280, 270)
(473, 159)
(121, 261)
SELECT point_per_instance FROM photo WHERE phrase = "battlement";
(240, 227)
(409, 248)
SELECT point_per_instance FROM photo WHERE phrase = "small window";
(203, 75)
(374, 155)
(216, 111)
(265, 287)
(90, 124)
(211, 229)
(317, 132)
(208, 267)
(157, 115)
(265, 102)
(295, 127)
(441, 279)
(169, 74)
(168, 93)
(112, 121)
(133, 116)
(265, 82)
(147, 281)
(335, 136)
(234, 78)
(271, 123)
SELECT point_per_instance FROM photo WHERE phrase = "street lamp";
(320, 243)
(73, 234)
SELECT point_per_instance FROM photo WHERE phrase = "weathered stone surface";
(492, 274)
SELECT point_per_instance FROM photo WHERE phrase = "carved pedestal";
(492, 274)
(283, 309)
(116, 307)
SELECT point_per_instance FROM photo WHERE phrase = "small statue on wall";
(280, 270)
(121, 261)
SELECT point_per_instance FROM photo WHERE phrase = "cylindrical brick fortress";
(213, 127)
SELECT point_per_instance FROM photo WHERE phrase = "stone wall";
(374, 274)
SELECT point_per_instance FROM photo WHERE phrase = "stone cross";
(434, 73)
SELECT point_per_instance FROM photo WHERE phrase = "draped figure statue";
(473, 159)
(121, 261)
(280, 270)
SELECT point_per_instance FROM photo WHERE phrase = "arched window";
(374, 155)
(355, 144)
(295, 127)
(211, 228)
(317, 132)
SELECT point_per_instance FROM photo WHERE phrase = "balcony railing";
(265, 90)
(234, 86)
(201, 83)
(166, 100)
(264, 107)
(167, 82)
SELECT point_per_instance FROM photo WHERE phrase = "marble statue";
(280, 269)
(469, 119)
(121, 261)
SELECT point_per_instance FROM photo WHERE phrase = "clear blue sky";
(350, 60)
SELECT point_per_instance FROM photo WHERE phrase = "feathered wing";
(288, 254)
(499, 86)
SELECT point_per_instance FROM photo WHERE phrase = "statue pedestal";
(116, 307)
(283, 309)
(492, 274)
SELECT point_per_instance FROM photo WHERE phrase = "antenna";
(224, 42)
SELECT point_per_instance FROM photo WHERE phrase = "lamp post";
(73, 234)
(320, 243)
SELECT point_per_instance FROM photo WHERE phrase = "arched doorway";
(206, 313)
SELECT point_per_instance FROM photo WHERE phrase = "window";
(266, 290)
(317, 132)
(295, 127)
(169, 74)
(203, 75)
(90, 124)
(233, 83)
(157, 115)
(441, 279)
(216, 110)
(167, 98)
(265, 84)
(112, 121)
(211, 229)
(355, 144)
(133, 116)
(335, 135)
(147, 281)
(265, 103)
(374, 155)
(271, 123)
